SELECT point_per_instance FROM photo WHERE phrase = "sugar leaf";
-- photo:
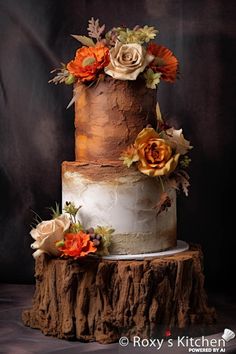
(106, 233)
(88, 42)
(158, 113)
(173, 183)
(177, 141)
(55, 210)
(76, 227)
(62, 75)
(94, 29)
(163, 204)
(129, 156)
(180, 179)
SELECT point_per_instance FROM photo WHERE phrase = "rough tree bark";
(101, 300)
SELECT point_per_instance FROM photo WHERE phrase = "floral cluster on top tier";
(121, 53)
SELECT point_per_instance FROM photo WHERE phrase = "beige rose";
(127, 61)
(156, 157)
(47, 233)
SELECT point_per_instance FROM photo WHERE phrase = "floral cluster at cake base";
(65, 236)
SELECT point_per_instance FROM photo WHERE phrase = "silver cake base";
(180, 247)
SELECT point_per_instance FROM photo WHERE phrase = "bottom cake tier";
(124, 199)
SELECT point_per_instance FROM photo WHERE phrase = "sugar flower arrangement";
(65, 236)
(161, 153)
(122, 53)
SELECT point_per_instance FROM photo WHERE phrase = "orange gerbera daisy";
(77, 245)
(165, 62)
(88, 62)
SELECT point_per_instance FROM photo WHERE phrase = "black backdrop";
(37, 134)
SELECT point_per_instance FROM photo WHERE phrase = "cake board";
(101, 300)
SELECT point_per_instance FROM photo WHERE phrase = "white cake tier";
(126, 204)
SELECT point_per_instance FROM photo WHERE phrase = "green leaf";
(71, 209)
(70, 79)
(103, 230)
(60, 243)
(88, 42)
(76, 227)
(55, 211)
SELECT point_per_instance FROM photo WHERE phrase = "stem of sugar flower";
(162, 184)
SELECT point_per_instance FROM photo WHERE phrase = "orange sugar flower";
(165, 62)
(77, 245)
(88, 62)
(156, 157)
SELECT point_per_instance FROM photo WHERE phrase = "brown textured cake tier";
(109, 116)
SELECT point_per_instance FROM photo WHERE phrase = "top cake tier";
(109, 116)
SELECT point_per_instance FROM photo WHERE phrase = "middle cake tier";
(123, 199)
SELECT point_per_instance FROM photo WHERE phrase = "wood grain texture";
(101, 300)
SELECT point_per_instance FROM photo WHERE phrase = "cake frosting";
(108, 117)
(123, 199)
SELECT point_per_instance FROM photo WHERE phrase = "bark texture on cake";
(101, 300)
(109, 116)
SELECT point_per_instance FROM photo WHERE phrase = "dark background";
(37, 133)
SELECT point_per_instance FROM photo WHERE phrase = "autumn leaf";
(129, 156)
(179, 180)
(177, 141)
(94, 29)
(184, 181)
(88, 42)
(158, 114)
(163, 204)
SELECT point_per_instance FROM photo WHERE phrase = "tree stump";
(102, 300)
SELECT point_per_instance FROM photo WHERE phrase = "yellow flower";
(138, 35)
(129, 156)
(156, 157)
(152, 79)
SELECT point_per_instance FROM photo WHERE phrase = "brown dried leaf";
(173, 183)
(163, 204)
(158, 114)
(94, 29)
(76, 92)
(180, 179)
(88, 42)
